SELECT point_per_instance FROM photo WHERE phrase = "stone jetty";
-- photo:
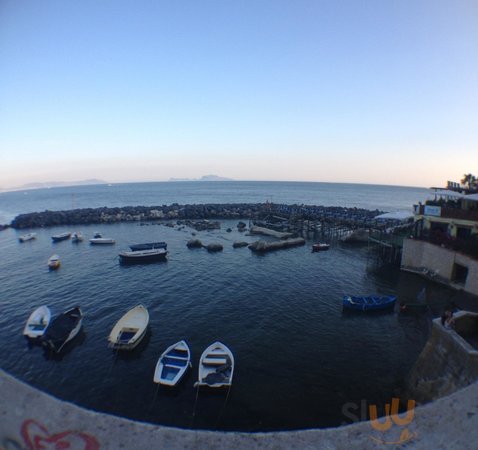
(202, 216)
(263, 246)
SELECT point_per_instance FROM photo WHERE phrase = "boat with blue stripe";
(368, 303)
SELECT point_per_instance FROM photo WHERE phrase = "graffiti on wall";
(36, 436)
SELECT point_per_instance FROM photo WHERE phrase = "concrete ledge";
(31, 419)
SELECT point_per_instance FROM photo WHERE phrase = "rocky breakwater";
(195, 213)
(189, 213)
(263, 246)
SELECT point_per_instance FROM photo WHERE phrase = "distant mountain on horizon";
(50, 184)
(203, 178)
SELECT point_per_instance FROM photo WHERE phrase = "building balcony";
(445, 212)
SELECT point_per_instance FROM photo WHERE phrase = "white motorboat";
(172, 364)
(54, 262)
(37, 323)
(130, 329)
(77, 237)
(102, 241)
(63, 329)
(216, 366)
(27, 237)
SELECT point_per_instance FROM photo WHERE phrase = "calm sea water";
(299, 358)
(386, 198)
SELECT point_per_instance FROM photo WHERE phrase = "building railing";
(446, 212)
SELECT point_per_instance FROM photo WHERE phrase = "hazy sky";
(382, 91)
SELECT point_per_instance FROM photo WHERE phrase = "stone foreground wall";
(447, 362)
(31, 419)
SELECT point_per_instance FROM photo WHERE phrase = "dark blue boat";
(368, 303)
(148, 246)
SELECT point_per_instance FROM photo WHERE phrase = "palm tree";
(469, 180)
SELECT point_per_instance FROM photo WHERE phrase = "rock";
(239, 244)
(229, 230)
(215, 247)
(194, 243)
(241, 225)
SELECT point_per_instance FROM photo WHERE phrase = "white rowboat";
(27, 237)
(102, 241)
(54, 262)
(216, 366)
(172, 364)
(130, 329)
(37, 323)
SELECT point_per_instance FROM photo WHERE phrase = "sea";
(301, 362)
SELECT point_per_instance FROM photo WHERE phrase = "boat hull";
(143, 256)
(172, 364)
(37, 323)
(27, 237)
(61, 237)
(130, 329)
(148, 246)
(216, 366)
(63, 329)
(368, 303)
(102, 241)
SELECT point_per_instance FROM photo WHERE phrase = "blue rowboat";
(368, 303)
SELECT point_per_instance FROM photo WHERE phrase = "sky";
(372, 91)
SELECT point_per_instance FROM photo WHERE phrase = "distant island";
(50, 184)
(203, 178)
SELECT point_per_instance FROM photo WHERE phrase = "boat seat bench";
(214, 361)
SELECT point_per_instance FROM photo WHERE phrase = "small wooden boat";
(27, 237)
(77, 237)
(319, 247)
(368, 303)
(216, 366)
(148, 246)
(172, 364)
(102, 241)
(53, 262)
(130, 329)
(63, 329)
(61, 237)
(37, 323)
(143, 256)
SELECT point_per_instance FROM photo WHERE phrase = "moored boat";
(216, 366)
(37, 323)
(321, 246)
(102, 241)
(368, 303)
(54, 262)
(143, 256)
(77, 237)
(172, 364)
(63, 329)
(130, 329)
(148, 246)
(27, 237)
(61, 237)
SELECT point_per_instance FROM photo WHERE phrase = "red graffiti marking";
(37, 437)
